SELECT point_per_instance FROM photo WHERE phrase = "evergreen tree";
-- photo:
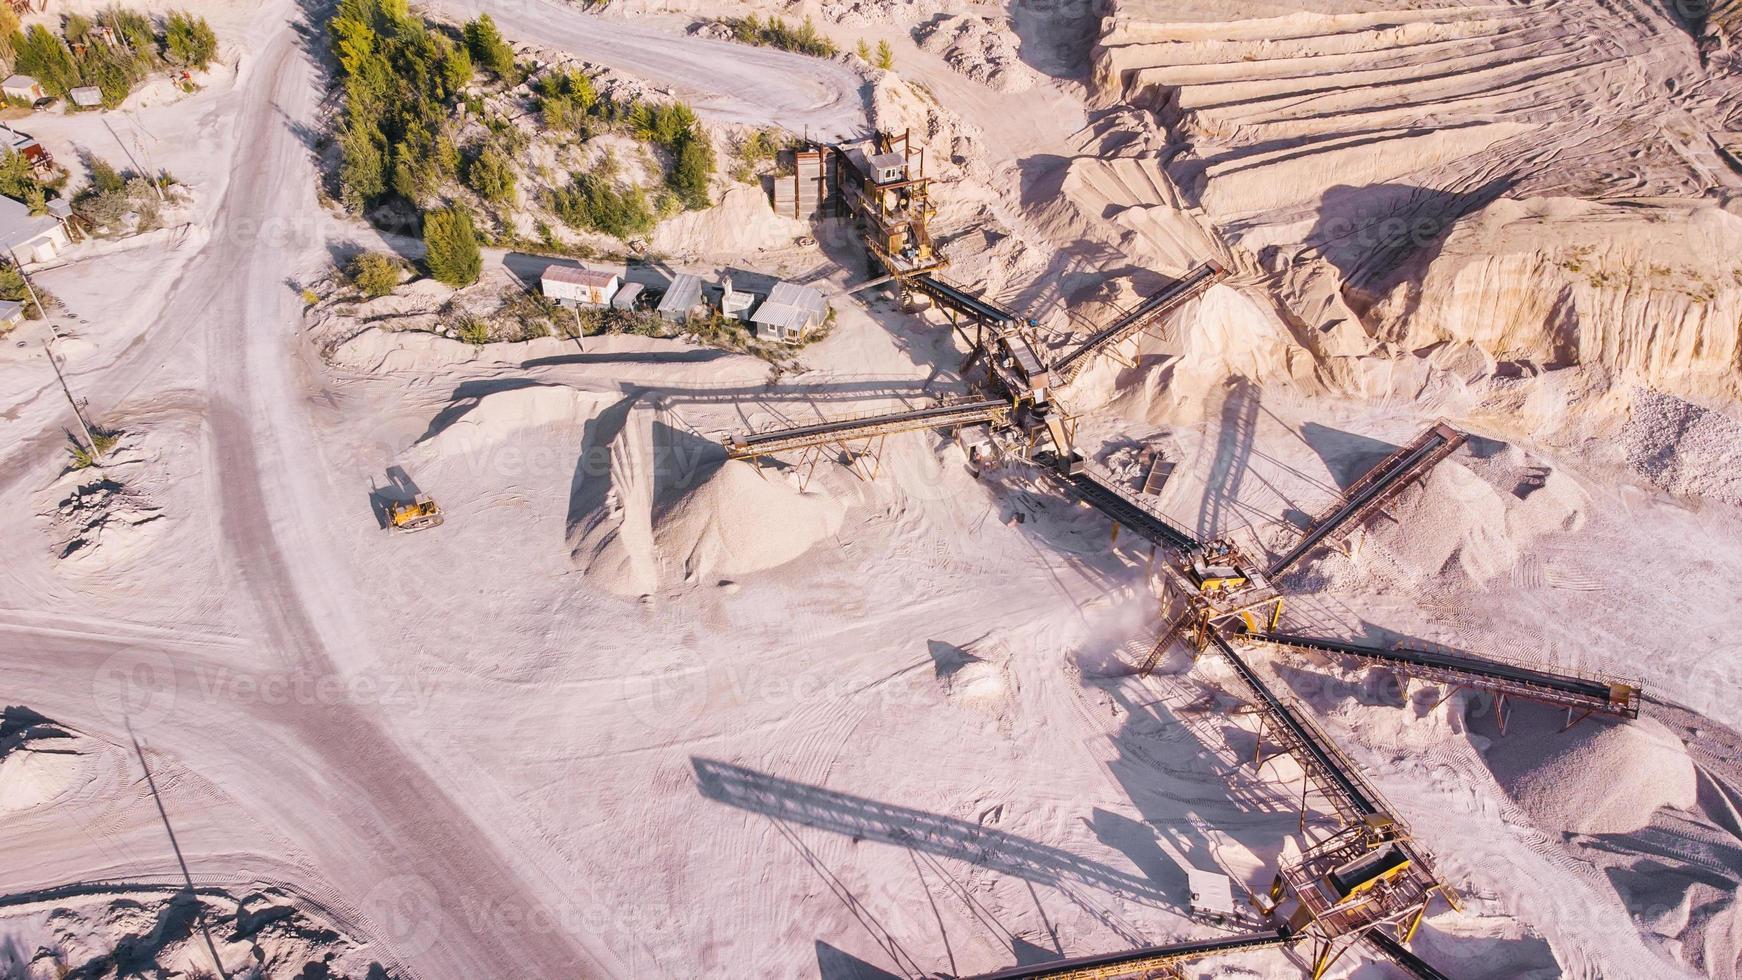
(491, 175)
(451, 247)
(689, 176)
(885, 56)
(46, 58)
(489, 50)
(189, 40)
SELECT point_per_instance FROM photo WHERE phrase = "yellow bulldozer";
(416, 515)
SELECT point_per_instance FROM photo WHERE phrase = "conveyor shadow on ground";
(927, 833)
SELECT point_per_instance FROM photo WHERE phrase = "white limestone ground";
(632, 712)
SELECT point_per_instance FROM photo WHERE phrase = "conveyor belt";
(960, 300)
(1331, 771)
(746, 445)
(1374, 488)
(1131, 961)
(1140, 316)
(1122, 508)
(1533, 683)
(1413, 964)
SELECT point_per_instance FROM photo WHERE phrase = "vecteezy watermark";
(406, 911)
(142, 687)
(665, 696)
(311, 689)
(136, 686)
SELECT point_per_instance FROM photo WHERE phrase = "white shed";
(574, 286)
(29, 237)
(88, 96)
(22, 87)
(791, 313)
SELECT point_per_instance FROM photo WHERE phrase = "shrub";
(491, 175)
(591, 202)
(189, 40)
(451, 247)
(104, 177)
(374, 274)
(776, 33)
(473, 330)
(566, 100)
(399, 78)
(489, 51)
(13, 287)
(85, 457)
(885, 56)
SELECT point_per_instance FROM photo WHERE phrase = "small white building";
(627, 297)
(87, 96)
(791, 312)
(11, 314)
(681, 298)
(22, 87)
(735, 304)
(572, 285)
(29, 237)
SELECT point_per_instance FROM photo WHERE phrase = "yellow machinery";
(420, 513)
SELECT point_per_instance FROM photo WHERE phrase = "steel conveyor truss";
(1377, 486)
(1575, 692)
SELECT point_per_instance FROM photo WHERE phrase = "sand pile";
(102, 517)
(741, 223)
(1474, 518)
(655, 505)
(978, 49)
(477, 423)
(1596, 778)
(38, 759)
(737, 521)
(1684, 448)
(611, 504)
(158, 932)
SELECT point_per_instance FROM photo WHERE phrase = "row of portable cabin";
(788, 313)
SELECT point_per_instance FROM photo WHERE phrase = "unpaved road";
(399, 844)
(730, 83)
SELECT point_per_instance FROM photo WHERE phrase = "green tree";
(17, 176)
(456, 67)
(363, 167)
(491, 175)
(47, 59)
(374, 273)
(189, 40)
(863, 50)
(689, 175)
(105, 179)
(885, 56)
(451, 247)
(489, 50)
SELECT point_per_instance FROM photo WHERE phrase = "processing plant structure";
(1367, 880)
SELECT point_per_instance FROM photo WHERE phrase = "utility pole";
(28, 288)
(90, 440)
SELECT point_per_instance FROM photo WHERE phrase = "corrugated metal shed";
(791, 310)
(626, 297)
(684, 294)
(578, 276)
(19, 227)
(86, 95)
